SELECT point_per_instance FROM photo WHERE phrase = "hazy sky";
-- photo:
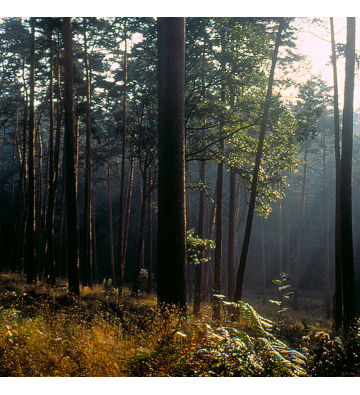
(314, 41)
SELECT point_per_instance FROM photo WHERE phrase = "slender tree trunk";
(18, 213)
(263, 262)
(280, 236)
(59, 113)
(199, 266)
(31, 254)
(111, 233)
(171, 243)
(327, 298)
(208, 275)
(288, 268)
(219, 212)
(218, 237)
(246, 242)
(136, 283)
(299, 245)
(231, 236)
(93, 227)
(87, 253)
(150, 233)
(63, 242)
(70, 183)
(40, 198)
(121, 259)
(128, 209)
(347, 254)
(338, 276)
(142, 189)
(49, 245)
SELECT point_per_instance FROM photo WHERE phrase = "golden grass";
(43, 332)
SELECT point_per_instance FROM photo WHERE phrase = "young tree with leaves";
(246, 242)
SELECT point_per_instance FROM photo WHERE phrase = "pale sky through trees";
(314, 41)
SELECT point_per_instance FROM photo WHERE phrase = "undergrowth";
(44, 332)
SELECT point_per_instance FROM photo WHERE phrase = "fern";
(257, 344)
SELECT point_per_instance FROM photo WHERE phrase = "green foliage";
(336, 357)
(44, 332)
(282, 295)
(255, 334)
(196, 246)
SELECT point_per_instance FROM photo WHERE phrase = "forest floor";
(44, 332)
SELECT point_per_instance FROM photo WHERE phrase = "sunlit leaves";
(196, 247)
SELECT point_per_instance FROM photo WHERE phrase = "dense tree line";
(119, 134)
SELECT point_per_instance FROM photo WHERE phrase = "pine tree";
(171, 243)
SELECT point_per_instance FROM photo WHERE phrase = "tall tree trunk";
(31, 254)
(93, 227)
(208, 272)
(136, 283)
(150, 233)
(347, 254)
(70, 182)
(111, 233)
(263, 261)
(288, 269)
(199, 266)
(128, 209)
(219, 192)
(299, 245)
(338, 276)
(248, 227)
(121, 258)
(280, 236)
(49, 245)
(171, 242)
(218, 236)
(87, 253)
(17, 223)
(231, 236)
(327, 298)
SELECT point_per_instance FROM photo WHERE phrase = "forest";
(175, 200)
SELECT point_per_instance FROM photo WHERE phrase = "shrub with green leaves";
(282, 286)
(196, 246)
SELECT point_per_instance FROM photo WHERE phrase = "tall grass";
(44, 332)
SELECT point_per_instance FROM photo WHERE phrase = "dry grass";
(43, 332)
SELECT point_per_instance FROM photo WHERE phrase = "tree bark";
(136, 283)
(93, 237)
(218, 236)
(231, 236)
(70, 182)
(87, 253)
(150, 233)
(299, 245)
(128, 209)
(49, 245)
(121, 258)
(171, 243)
(199, 266)
(263, 261)
(327, 298)
(219, 192)
(347, 254)
(248, 227)
(338, 276)
(280, 236)
(30, 234)
(111, 233)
